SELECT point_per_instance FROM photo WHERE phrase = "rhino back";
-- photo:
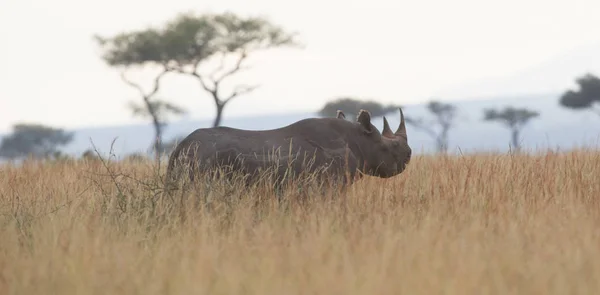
(323, 133)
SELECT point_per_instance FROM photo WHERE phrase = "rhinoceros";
(329, 146)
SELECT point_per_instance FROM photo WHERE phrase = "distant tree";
(132, 49)
(189, 41)
(352, 106)
(34, 140)
(586, 97)
(444, 117)
(513, 118)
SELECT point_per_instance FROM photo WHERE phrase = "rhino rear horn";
(402, 128)
(387, 131)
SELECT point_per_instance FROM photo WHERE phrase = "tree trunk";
(220, 107)
(157, 130)
(440, 145)
(157, 138)
(442, 140)
(515, 139)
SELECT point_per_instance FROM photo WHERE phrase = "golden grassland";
(477, 224)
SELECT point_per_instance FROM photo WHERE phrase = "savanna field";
(477, 224)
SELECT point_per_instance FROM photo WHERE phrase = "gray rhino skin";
(329, 146)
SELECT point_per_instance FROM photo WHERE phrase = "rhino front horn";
(387, 131)
(402, 128)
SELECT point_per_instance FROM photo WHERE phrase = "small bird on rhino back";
(329, 147)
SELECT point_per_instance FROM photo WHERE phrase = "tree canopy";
(510, 116)
(34, 140)
(586, 96)
(189, 39)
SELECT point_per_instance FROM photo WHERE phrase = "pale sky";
(390, 50)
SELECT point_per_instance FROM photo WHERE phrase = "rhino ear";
(340, 115)
(364, 118)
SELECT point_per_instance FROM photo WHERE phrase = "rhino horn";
(340, 115)
(387, 131)
(402, 128)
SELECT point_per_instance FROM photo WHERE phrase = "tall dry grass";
(483, 224)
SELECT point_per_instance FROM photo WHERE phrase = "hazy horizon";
(577, 128)
(209, 117)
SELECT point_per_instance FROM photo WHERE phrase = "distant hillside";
(557, 127)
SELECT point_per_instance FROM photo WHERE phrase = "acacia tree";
(141, 48)
(444, 117)
(586, 97)
(190, 41)
(198, 39)
(515, 119)
(34, 140)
